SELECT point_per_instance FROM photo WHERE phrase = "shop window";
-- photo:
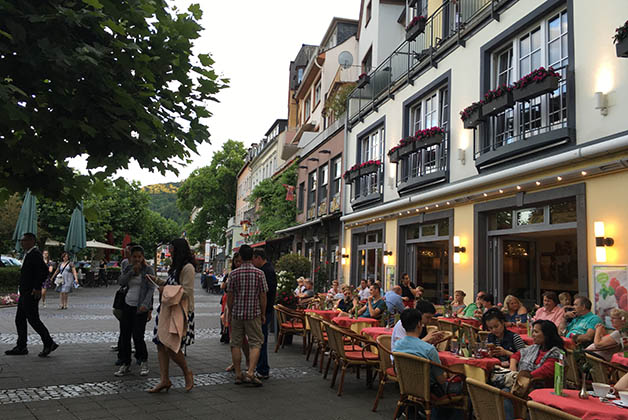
(500, 220)
(563, 212)
(530, 216)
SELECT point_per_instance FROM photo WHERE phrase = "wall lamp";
(601, 242)
(458, 249)
(344, 256)
(387, 255)
(601, 103)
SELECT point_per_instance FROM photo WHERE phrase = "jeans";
(28, 311)
(262, 364)
(132, 325)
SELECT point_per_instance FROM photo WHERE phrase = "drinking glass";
(455, 346)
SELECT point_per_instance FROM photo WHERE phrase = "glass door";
(432, 270)
(371, 265)
(514, 269)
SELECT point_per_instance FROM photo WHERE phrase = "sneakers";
(17, 351)
(124, 369)
(144, 369)
(47, 350)
(114, 347)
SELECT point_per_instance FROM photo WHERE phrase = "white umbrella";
(52, 242)
(101, 245)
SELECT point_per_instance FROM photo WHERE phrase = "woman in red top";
(539, 358)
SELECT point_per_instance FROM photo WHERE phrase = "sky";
(252, 43)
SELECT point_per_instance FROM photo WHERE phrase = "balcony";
(448, 26)
(424, 167)
(367, 189)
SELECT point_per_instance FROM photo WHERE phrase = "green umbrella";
(27, 221)
(76, 239)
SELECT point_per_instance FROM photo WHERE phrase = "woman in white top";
(67, 277)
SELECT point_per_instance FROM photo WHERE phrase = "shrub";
(286, 282)
(9, 279)
(287, 299)
(298, 265)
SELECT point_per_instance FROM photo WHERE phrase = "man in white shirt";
(364, 292)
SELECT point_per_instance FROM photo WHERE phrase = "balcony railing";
(425, 166)
(447, 23)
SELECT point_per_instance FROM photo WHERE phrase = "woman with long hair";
(181, 272)
(539, 358)
(514, 310)
(502, 343)
(66, 273)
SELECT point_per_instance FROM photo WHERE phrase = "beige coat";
(172, 317)
(186, 280)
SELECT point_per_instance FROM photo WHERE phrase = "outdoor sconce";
(387, 254)
(600, 103)
(344, 257)
(458, 249)
(601, 242)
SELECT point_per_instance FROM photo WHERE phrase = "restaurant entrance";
(428, 264)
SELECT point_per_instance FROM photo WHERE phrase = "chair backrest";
(335, 339)
(572, 373)
(488, 401)
(443, 343)
(599, 371)
(385, 351)
(544, 412)
(446, 325)
(413, 375)
(470, 332)
(281, 315)
(316, 327)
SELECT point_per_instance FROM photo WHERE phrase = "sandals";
(254, 380)
(243, 379)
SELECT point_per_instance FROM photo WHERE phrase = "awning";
(100, 245)
(297, 227)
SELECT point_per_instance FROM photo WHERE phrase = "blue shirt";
(394, 302)
(380, 304)
(581, 324)
(417, 347)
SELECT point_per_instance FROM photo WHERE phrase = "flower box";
(622, 48)
(407, 148)
(363, 80)
(474, 118)
(416, 27)
(368, 169)
(535, 89)
(498, 104)
(431, 140)
(394, 156)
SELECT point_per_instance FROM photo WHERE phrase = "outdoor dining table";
(325, 314)
(375, 332)
(354, 324)
(619, 359)
(478, 369)
(589, 409)
(529, 341)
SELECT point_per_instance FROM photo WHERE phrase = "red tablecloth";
(450, 359)
(471, 321)
(347, 322)
(617, 358)
(528, 340)
(375, 332)
(589, 409)
(327, 314)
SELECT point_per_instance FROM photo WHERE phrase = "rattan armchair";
(603, 371)
(319, 338)
(290, 322)
(386, 368)
(488, 401)
(413, 375)
(543, 412)
(572, 373)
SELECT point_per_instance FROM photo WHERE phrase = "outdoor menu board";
(611, 289)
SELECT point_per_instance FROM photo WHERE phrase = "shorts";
(251, 328)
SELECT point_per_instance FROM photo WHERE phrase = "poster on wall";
(390, 277)
(611, 289)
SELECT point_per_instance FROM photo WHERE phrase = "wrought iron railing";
(447, 22)
(425, 161)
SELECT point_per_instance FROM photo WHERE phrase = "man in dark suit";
(32, 275)
(260, 261)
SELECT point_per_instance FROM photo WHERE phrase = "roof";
(334, 22)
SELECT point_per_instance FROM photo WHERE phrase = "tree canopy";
(108, 80)
(211, 191)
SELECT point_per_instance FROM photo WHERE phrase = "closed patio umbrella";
(27, 220)
(76, 238)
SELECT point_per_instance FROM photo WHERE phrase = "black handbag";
(119, 298)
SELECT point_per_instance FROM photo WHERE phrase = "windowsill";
(364, 200)
(417, 182)
(523, 147)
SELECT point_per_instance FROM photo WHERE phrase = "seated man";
(427, 311)
(363, 291)
(375, 305)
(579, 322)
(485, 302)
(469, 311)
(308, 293)
(394, 301)
(412, 344)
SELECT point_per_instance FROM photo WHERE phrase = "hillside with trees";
(163, 200)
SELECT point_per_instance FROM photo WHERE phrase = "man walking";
(260, 261)
(246, 299)
(32, 275)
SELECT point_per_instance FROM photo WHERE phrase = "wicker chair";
(319, 338)
(349, 355)
(544, 412)
(470, 332)
(445, 325)
(386, 369)
(603, 371)
(290, 322)
(572, 373)
(413, 375)
(488, 401)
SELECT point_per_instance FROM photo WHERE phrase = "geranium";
(287, 299)
(496, 93)
(357, 166)
(466, 113)
(428, 132)
(11, 299)
(363, 76)
(535, 76)
(415, 21)
(621, 33)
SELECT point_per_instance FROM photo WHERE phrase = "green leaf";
(206, 60)
(94, 3)
(196, 11)
(6, 34)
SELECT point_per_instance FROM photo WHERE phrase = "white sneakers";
(124, 369)
(144, 369)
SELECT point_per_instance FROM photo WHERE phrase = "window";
(541, 217)
(301, 197)
(336, 165)
(317, 93)
(368, 13)
(371, 148)
(367, 62)
(311, 195)
(307, 108)
(323, 180)
(542, 45)
(300, 75)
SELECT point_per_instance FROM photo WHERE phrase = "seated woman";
(457, 306)
(515, 311)
(502, 342)
(605, 345)
(539, 358)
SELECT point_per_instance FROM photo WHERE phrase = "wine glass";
(454, 346)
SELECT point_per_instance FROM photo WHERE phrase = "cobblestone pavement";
(77, 381)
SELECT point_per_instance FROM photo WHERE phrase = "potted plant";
(369, 167)
(394, 155)
(535, 84)
(621, 40)
(497, 100)
(472, 116)
(363, 80)
(415, 27)
(429, 136)
(406, 146)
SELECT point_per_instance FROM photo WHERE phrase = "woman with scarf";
(539, 358)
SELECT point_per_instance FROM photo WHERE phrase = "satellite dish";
(345, 59)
